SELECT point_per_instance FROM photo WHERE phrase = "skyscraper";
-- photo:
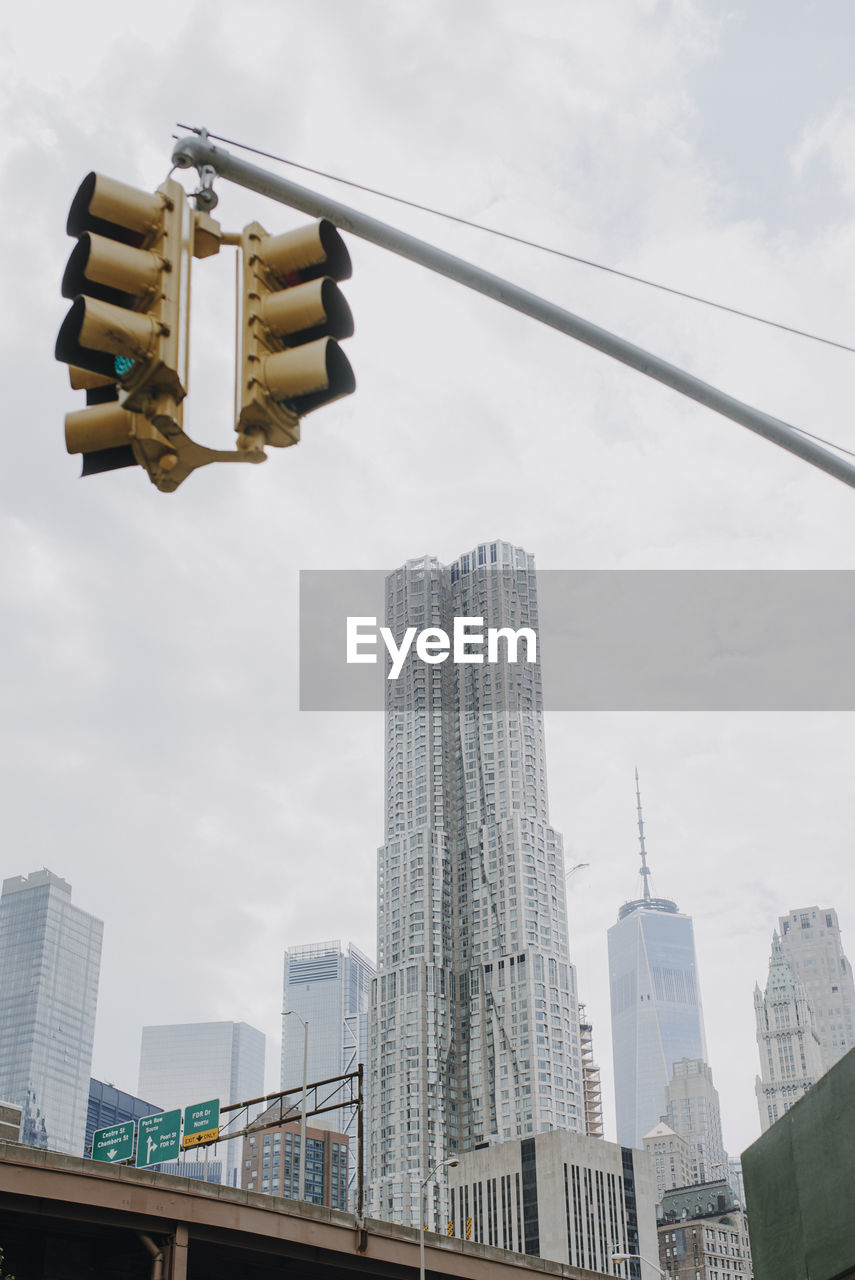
(790, 1052)
(475, 1031)
(655, 1001)
(331, 990)
(810, 939)
(50, 960)
(692, 1110)
(191, 1062)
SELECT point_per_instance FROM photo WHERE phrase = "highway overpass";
(66, 1217)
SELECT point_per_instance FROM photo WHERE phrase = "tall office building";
(563, 1196)
(692, 1110)
(475, 1030)
(790, 1052)
(810, 939)
(655, 1000)
(330, 989)
(50, 961)
(196, 1061)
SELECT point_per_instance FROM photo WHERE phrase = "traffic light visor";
(306, 377)
(114, 209)
(94, 333)
(313, 310)
(312, 251)
(110, 270)
(101, 426)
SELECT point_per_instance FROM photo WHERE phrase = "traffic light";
(125, 336)
(291, 313)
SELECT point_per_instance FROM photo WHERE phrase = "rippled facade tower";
(475, 1028)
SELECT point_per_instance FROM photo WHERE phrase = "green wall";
(800, 1185)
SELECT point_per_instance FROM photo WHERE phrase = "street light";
(450, 1163)
(301, 1192)
(628, 1257)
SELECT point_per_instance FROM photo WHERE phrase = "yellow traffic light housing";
(125, 337)
(291, 313)
(128, 276)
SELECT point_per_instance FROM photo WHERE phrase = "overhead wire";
(543, 248)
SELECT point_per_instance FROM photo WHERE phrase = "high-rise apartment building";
(197, 1061)
(810, 939)
(50, 961)
(475, 1031)
(271, 1162)
(330, 989)
(791, 1058)
(655, 1001)
(692, 1110)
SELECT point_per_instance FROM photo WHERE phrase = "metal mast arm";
(198, 153)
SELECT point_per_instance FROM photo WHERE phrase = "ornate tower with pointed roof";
(790, 1051)
(655, 999)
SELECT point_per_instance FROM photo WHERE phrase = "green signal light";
(122, 365)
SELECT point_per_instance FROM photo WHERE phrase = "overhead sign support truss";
(322, 1096)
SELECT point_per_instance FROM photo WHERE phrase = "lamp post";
(627, 1257)
(301, 1193)
(443, 1164)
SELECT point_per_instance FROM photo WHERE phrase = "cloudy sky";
(153, 750)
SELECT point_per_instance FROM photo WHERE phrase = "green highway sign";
(114, 1144)
(159, 1138)
(201, 1123)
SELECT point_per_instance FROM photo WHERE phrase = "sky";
(153, 751)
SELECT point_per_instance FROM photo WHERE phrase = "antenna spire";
(645, 870)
